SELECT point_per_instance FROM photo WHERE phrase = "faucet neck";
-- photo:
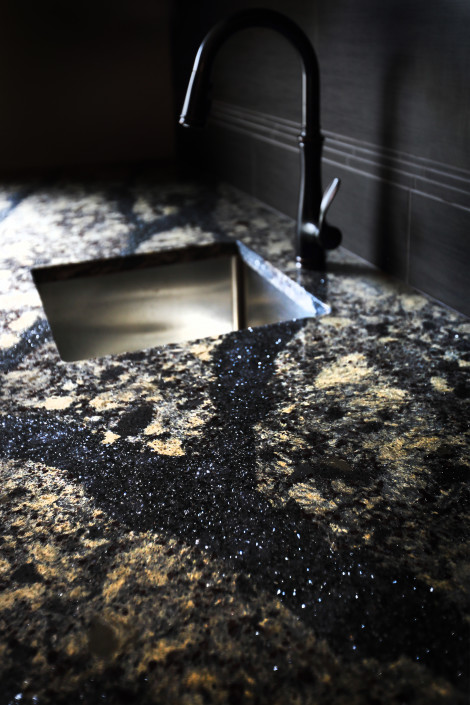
(193, 113)
(196, 107)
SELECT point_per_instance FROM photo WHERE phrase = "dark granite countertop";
(277, 515)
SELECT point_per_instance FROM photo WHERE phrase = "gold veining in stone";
(30, 594)
(336, 322)
(168, 447)
(24, 321)
(287, 409)
(58, 403)
(105, 401)
(7, 340)
(311, 500)
(349, 369)
(389, 394)
(140, 602)
(412, 302)
(154, 429)
(440, 384)
(110, 437)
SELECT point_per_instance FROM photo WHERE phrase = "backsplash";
(395, 119)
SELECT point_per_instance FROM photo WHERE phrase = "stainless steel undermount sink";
(130, 303)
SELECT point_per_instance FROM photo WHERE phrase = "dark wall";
(86, 82)
(395, 113)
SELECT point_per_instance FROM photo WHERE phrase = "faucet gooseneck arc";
(313, 234)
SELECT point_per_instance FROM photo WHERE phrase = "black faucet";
(313, 234)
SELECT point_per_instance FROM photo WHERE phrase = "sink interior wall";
(264, 303)
(121, 308)
(132, 310)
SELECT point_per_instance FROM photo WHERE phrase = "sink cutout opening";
(131, 303)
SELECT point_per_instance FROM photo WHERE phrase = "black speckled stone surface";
(278, 515)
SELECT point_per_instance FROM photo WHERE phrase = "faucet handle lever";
(330, 236)
(327, 200)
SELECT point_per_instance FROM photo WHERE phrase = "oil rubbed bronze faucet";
(313, 233)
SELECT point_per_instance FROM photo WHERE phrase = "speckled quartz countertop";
(277, 515)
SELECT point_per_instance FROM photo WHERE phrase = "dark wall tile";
(373, 217)
(276, 176)
(395, 73)
(394, 108)
(230, 154)
(440, 251)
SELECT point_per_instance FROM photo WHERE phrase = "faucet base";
(316, 262)
(310, 253)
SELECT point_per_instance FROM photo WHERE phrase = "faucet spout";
(313, 234)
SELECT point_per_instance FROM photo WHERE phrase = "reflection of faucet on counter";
(313, 234)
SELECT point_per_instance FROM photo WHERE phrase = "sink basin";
(130, 303)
